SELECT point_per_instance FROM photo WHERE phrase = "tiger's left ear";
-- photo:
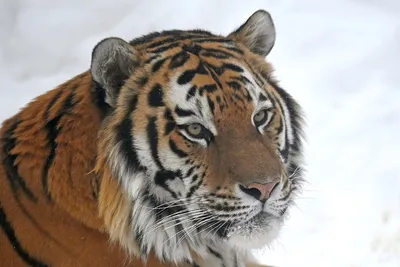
(113, 61)
(257, 33)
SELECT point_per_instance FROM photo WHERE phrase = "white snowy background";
(340, 59)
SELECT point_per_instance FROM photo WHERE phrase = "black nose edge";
(254, 192)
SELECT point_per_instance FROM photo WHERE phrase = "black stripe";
(211, 104)
(214, 72)
(158, 64)
(176, 36)
(186, 77)
(211, 40)
(95, 184)
(163, 42)
(214, 55)
(151, 59)
(210, 88)
(190, 171)
(194, 187)
(291, 105)
(144, 249)
(53, 130)
(259, 81)
(125, 136)
(194, 178)
(152, 136)
(234, 49)
(215, 253)
(183, 112)
(217, 53)
(294, 116)
(177, 150)
(191, 93)
(145, 38)
(142, 81)
(168, 115)
(262, 97)
(232, 67)
(193, 48)
(214, 50)
(165, 48)
(242, 79)
(51, 104)
(52, 133)
(10, 233)
(178, 60)
(201, 68)
(238, 97)
(285, 151)
(15, 180)
(156, 96)
(162, 176)
(98, 95)
(169, 127)
(234, 85)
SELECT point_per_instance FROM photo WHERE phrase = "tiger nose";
(259, 191)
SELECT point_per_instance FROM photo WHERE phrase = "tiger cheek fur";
(195, 153)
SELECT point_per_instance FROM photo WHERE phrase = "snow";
(339, 58)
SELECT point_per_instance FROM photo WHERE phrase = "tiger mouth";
(257, 223)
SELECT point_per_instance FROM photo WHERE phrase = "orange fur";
(65, 228)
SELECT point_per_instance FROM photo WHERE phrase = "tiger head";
(204, 144)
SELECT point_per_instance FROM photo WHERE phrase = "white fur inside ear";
(257, 33)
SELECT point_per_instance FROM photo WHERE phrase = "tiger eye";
(194, 129)
(260, 117)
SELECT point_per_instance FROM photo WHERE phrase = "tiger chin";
(178, 148)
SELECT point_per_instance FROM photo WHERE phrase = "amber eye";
(198, 131)
(260, 118)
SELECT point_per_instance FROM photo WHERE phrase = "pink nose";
(259, 191)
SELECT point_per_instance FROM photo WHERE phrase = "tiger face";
(204, 142)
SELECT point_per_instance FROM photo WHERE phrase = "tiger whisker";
(185, 232)
(193, 228)
(175, 216)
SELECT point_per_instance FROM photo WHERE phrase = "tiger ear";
(113, 61)
(257, 33)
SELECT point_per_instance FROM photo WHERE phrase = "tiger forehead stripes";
(192, 152)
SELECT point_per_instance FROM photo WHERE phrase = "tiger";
(177, 148)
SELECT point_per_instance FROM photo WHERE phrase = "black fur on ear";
(257, 33)
(113, 61)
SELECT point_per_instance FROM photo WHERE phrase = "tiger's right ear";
(113, 61)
